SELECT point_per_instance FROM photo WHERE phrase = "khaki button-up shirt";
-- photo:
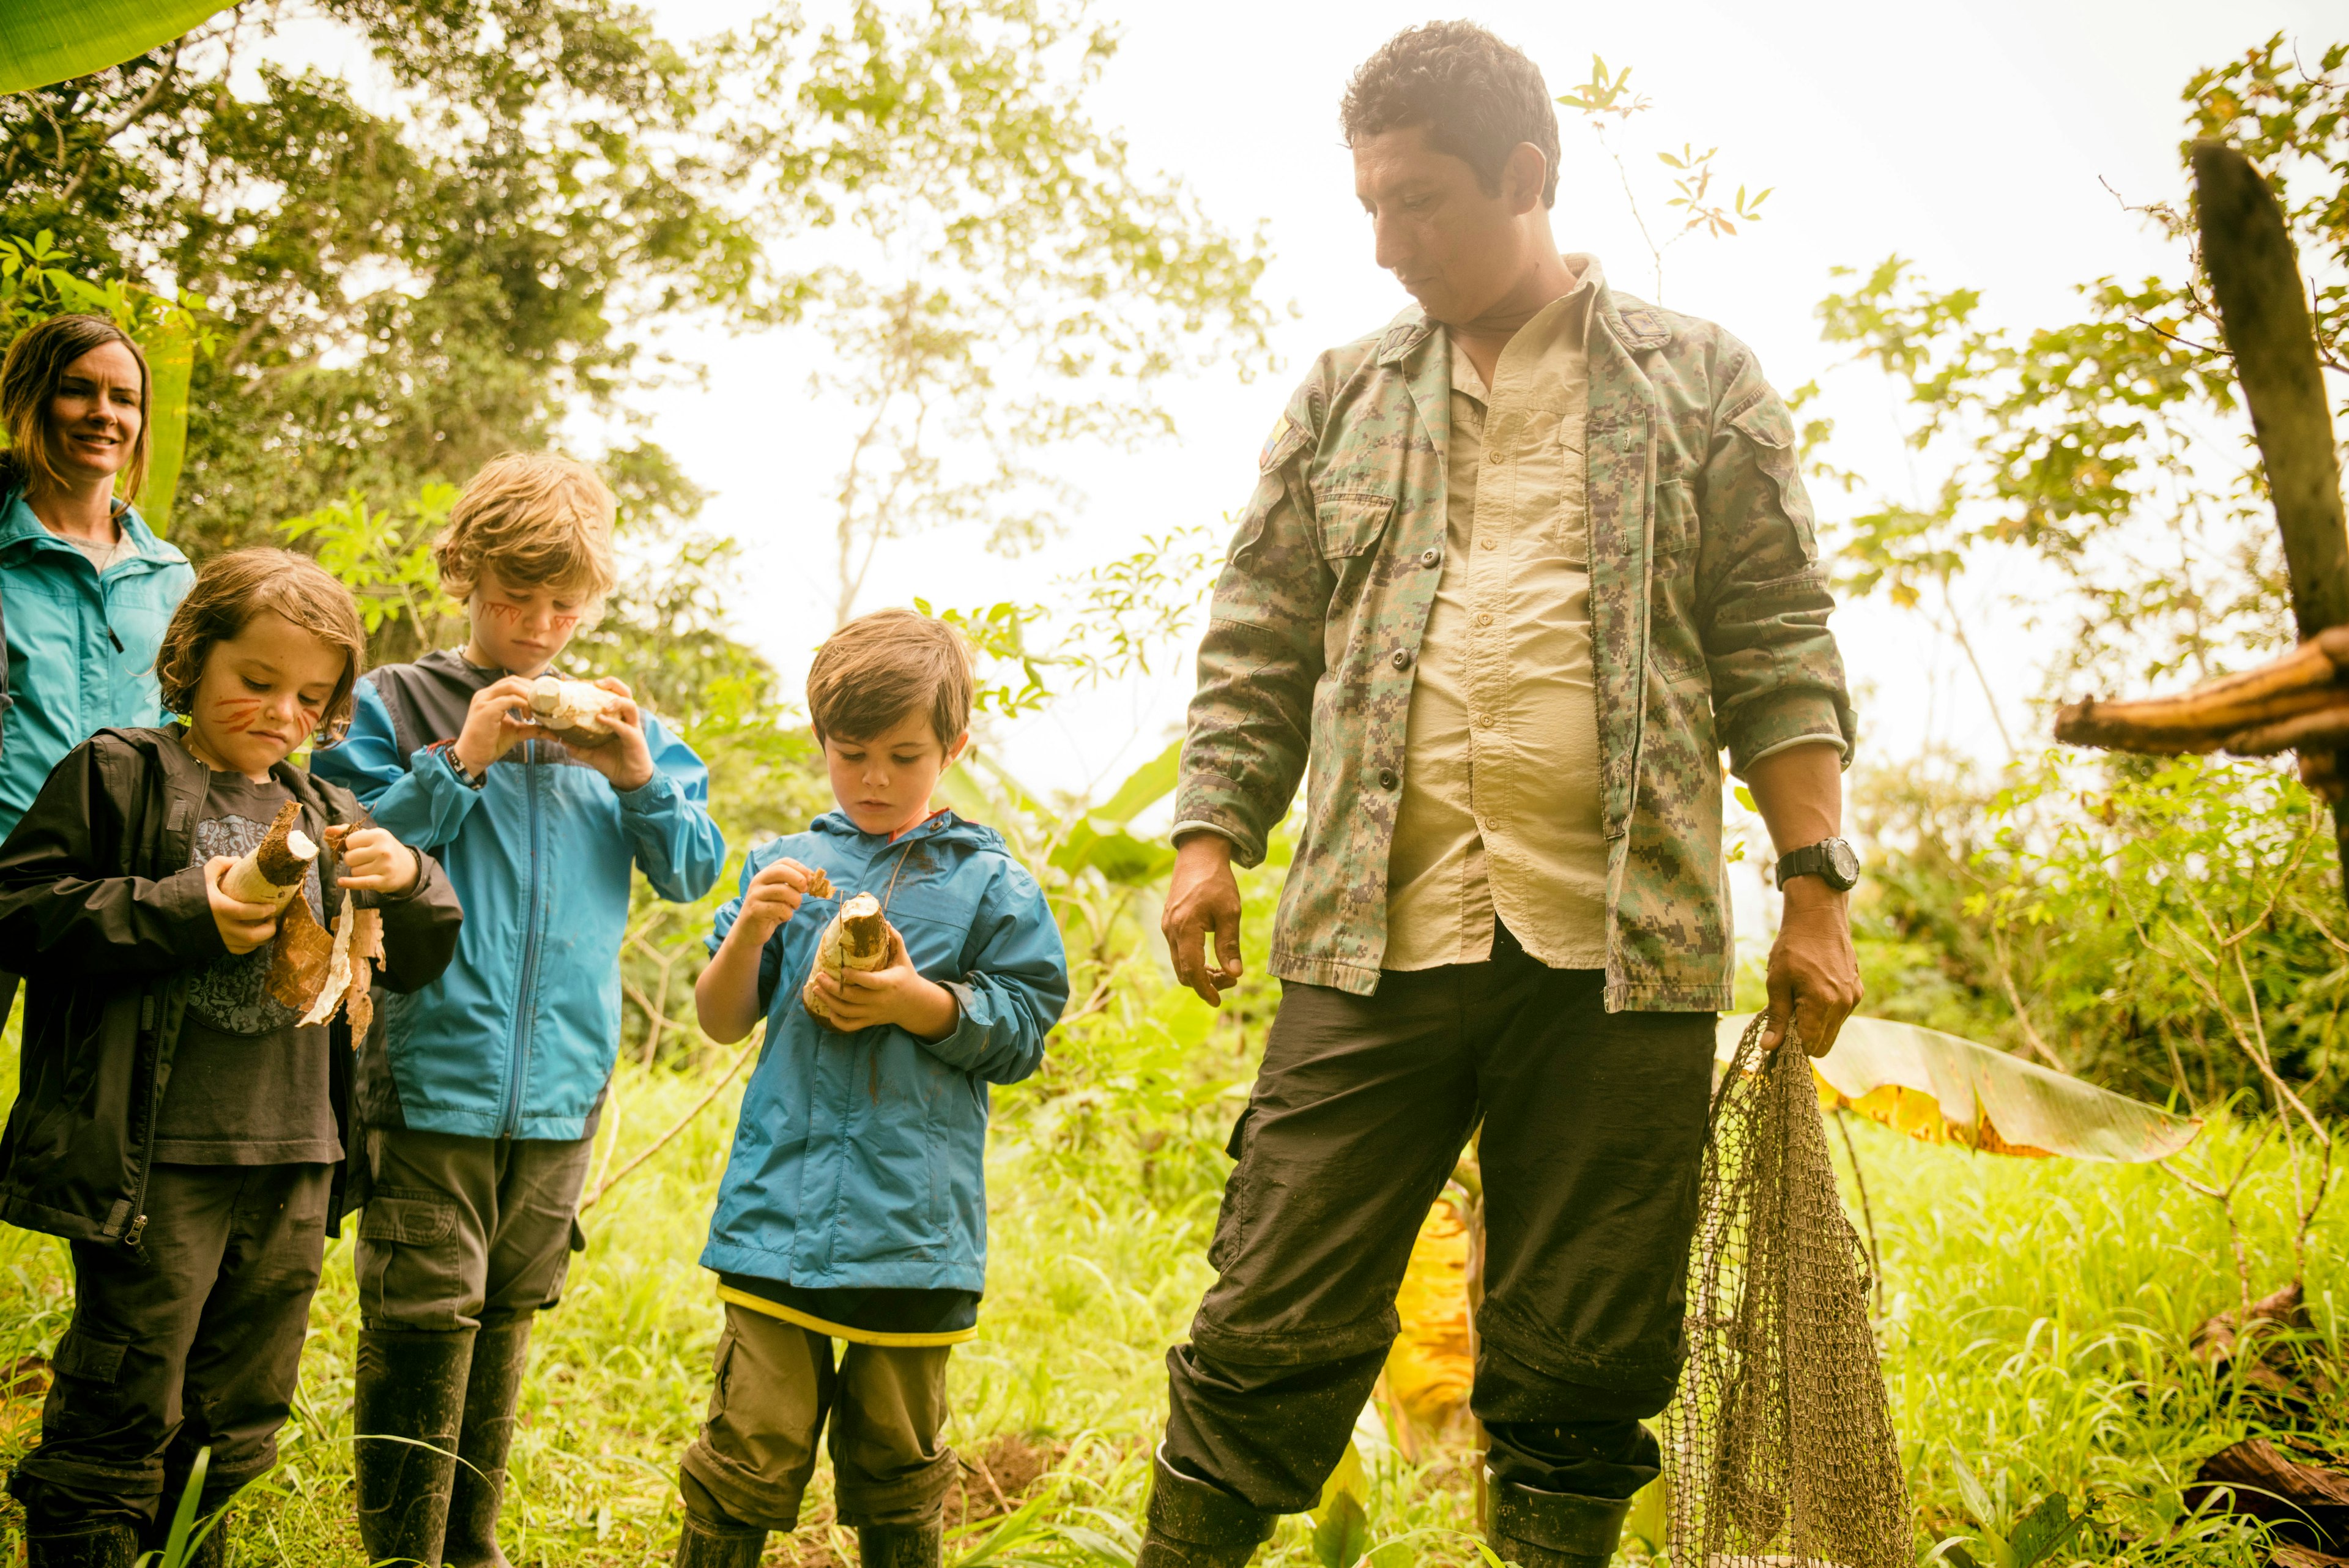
(1500, 804)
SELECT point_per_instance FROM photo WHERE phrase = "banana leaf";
(171, 350)
(1100, 839)
(1939, 1088)
(45, 41)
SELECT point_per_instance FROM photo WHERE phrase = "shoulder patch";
(1282, 444)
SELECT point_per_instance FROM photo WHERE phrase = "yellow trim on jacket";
(840, 1330)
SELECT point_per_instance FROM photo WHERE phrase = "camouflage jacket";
(1709, 615)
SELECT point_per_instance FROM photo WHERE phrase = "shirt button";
(1486, 540)
(1483, 618)
(1428, 558)
(1386, 778)
(1402, 658)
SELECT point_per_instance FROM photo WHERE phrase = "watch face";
(1842, 863)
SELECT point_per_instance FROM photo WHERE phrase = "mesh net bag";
(1780, 1447)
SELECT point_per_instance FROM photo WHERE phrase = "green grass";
(2036, 1319)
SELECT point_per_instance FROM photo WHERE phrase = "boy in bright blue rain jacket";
(479, 1093)
(854, 1206)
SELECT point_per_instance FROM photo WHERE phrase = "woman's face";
(94, 414)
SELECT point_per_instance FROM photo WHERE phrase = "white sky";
(1969, 137)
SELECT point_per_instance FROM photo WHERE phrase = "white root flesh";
(857, 938)
(273, 873)
(338, 973)
(571, 706)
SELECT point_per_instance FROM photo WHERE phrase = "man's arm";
(1813, 973)
(1251, 719)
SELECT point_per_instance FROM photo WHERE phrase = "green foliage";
(45, 41)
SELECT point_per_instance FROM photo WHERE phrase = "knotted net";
(1780, 1446)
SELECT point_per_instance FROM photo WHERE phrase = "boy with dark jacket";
(854, 1205)
(180, 1124)
(478, 1096)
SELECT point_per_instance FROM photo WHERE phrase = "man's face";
(1455, 246)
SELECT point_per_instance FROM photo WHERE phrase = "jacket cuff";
(1787, 718)
(1210, 805)
(187, 896)
(650, 795)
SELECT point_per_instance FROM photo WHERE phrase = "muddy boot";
(479, 1486)
(1554, 1529)
(1195, 1525)
(702, 1544)
(900, 1546)
(410, 1387)
(110, 1545)
(211, 1552)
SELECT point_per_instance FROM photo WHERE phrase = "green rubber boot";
(478, 1488)
(1195, 1525)
(102, 1546)
(410, 1392)
(1554, 1529)
(704, 1546)
(900, 1546)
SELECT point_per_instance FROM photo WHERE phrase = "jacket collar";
(1634, 323)
(18, 527)
(181, 770)
(943, 826)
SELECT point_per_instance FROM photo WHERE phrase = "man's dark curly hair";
(1477, 97)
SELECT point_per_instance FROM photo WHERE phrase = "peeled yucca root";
(857, 938)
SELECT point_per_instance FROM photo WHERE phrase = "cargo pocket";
(1350, 524)
(1232, 1221)
(1765, 423)
(88, 1358)
(409, 1268)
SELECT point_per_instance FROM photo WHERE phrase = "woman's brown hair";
(233, 588)
(37, 362)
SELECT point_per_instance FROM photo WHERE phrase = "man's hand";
(491, 727)
(1203, 898)
(894, 993)
(624, 759)
(373, 859)
(243, 927)
(1813, 973)
(773, 897)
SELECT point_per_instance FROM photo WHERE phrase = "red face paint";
(565, 622)
(499, 610)
(237, 715)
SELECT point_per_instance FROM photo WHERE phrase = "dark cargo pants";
(461, 1231)
(1594, 1126)
(197, 1343)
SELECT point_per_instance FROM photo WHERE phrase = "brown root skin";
(2211, 716)
(858, 938)
(299, 958)
(274, 869)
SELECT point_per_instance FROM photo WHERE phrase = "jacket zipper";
(526, 1003)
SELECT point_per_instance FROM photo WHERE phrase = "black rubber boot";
(410, 1387)
(900, 1546)
(211, 1552)
(1554, 1529)
(99, 1546)
(478, 1486)
(704, 1546)
(1195, 1525)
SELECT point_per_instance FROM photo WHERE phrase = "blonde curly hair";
(534, 518)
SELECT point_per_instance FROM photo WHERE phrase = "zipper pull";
(114, 640)
(138, 1229)
(147, 1012)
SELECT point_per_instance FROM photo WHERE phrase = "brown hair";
(1477, 97)
(873, 671)
(534, 518)
(37, 362)
(233, 588)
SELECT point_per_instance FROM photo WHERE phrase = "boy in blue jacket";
(854, 1205)
(479, 1093)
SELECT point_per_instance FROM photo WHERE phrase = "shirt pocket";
(1351, 523)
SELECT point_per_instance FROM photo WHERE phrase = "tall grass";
(2036, 1321)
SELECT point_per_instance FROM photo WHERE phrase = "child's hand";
(492, 724)
(772, 898)
(894, 993)
(624, 759)
(243, 927)
(373, 859)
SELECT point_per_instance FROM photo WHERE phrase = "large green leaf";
(1941, 1089)
(45, 41)
(170, 349)
(1143, 788)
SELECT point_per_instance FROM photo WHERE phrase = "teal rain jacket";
(860, 1158)
(516, 1038)
(81, 648)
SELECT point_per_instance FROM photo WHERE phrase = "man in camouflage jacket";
(1705, 630)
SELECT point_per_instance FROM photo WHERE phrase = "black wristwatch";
(1832, 860)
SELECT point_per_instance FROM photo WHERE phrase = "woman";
(86, 588)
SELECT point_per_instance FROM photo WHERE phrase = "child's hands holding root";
(373, 859)
(243, 927)
(894, 993)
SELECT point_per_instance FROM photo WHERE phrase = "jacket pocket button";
(1428, 558)
(1402, 658)
(1387, 778)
